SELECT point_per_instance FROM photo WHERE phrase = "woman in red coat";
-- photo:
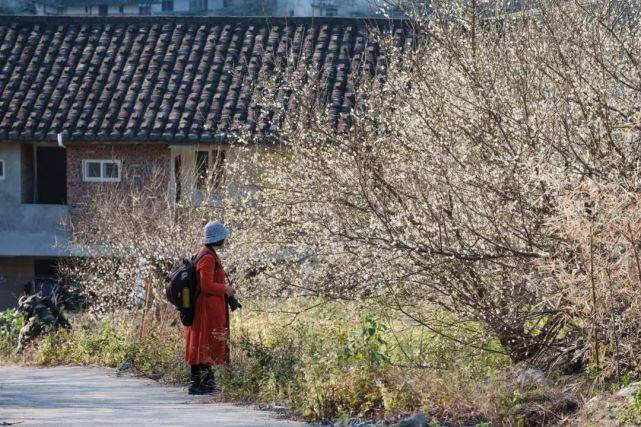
(206, 339)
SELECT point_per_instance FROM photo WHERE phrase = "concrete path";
(96, 396)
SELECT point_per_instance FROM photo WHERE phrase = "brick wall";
(140, 162)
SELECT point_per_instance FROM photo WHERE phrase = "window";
(134, 176)
(121, 9)
(145, 9)
(178, 176)
(1, 169)
(167, 5)
(103, 10)
(210, 169)
(43, 174)
(197, 5)
(202, 168)
(101, 170)
(331, 11)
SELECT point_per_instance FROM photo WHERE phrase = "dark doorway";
(46, 277)
(45, 268)
(51, 175)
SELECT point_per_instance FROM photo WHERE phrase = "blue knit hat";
(214, 232)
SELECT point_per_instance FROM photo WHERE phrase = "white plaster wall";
(215, 4)
(239, 160)
(128, 9)
(11, 4)
(345, 7)
(283, 8)
(181, 5)
(360, 7)
(80, 10)
(113, 10)
(10, 194)
(27, 229)
(40, 10)
(299, 7)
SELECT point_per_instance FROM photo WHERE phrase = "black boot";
(208, 379)
(196, 385)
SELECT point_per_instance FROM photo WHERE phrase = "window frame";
(102, 178)
(3, 169)
(217, 178)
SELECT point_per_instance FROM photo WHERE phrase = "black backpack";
(181, 288)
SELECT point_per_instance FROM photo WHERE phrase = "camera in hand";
(233, 303)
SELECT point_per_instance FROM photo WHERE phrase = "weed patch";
(323, 364)
(10, 323)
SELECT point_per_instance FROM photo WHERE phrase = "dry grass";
(322, 364)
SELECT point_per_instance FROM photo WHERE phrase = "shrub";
(10, 324)
(110, 343)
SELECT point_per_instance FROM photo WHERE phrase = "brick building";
(133, 7)
(92, 101)
(316, 8)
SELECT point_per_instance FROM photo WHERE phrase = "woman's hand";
(229, 290)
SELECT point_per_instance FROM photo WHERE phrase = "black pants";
(199, 372)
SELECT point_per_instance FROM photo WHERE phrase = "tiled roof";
(166, 78)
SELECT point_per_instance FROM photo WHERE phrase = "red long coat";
(206, 339)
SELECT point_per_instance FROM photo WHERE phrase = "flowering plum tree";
(487, 174)
(445, 189)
